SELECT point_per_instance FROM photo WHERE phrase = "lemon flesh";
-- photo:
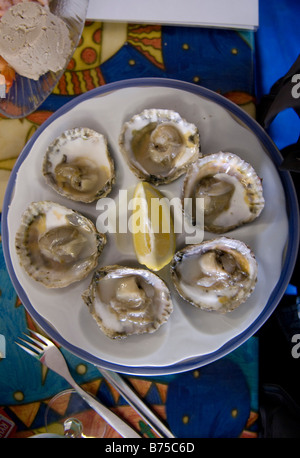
(152, 227)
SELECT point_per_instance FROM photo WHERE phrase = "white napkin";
(239, 14)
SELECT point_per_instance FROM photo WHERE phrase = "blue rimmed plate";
(191, 338)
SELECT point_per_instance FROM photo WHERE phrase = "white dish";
(191, 337)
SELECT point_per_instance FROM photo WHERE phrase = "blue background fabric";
(277, 48)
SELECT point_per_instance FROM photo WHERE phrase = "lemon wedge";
(152, 227)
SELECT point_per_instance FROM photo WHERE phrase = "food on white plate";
(215, 275)
(78, 165)
(230, 187)
(6, 4)
(126, 301)
(153, 236)
(34, 41)
(159, 144)
(57, 246)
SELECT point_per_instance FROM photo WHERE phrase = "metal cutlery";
(48, 353)
(118, 382)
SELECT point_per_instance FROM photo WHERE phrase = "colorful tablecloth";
(218, 400)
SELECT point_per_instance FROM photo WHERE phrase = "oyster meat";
(159, 144)
(57, 246)
(218, 274)
(78, 165)
(230, 187)
(126, 301)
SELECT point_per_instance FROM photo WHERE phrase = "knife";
(118, 382)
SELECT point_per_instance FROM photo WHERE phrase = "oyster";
(126, 301)
(78, 165)
(230, 187)
(159, 145)
(56, 245)
(218, 274)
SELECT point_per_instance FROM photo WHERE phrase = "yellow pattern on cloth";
(99, 42)
(83, 71)
(11, 146)
(147, 39)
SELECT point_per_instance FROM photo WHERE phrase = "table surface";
(110, 52)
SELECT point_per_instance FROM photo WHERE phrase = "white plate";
(191, 337)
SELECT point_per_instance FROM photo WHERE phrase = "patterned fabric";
(201, 403)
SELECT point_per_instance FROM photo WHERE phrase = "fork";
(47, 353)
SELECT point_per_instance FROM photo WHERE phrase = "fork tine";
(39, 345)
(41, 337)
(32, 353)
(35, 347)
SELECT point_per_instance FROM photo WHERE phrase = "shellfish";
(158, 145)
(230, 187)
(218, 274)
(126, 301)
(57, 246)
(78, 165)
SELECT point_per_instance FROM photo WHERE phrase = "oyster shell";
(230, 187)
(126, 301)
(78, 165)
(158, 145)
(218, 274)
(57, 246)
